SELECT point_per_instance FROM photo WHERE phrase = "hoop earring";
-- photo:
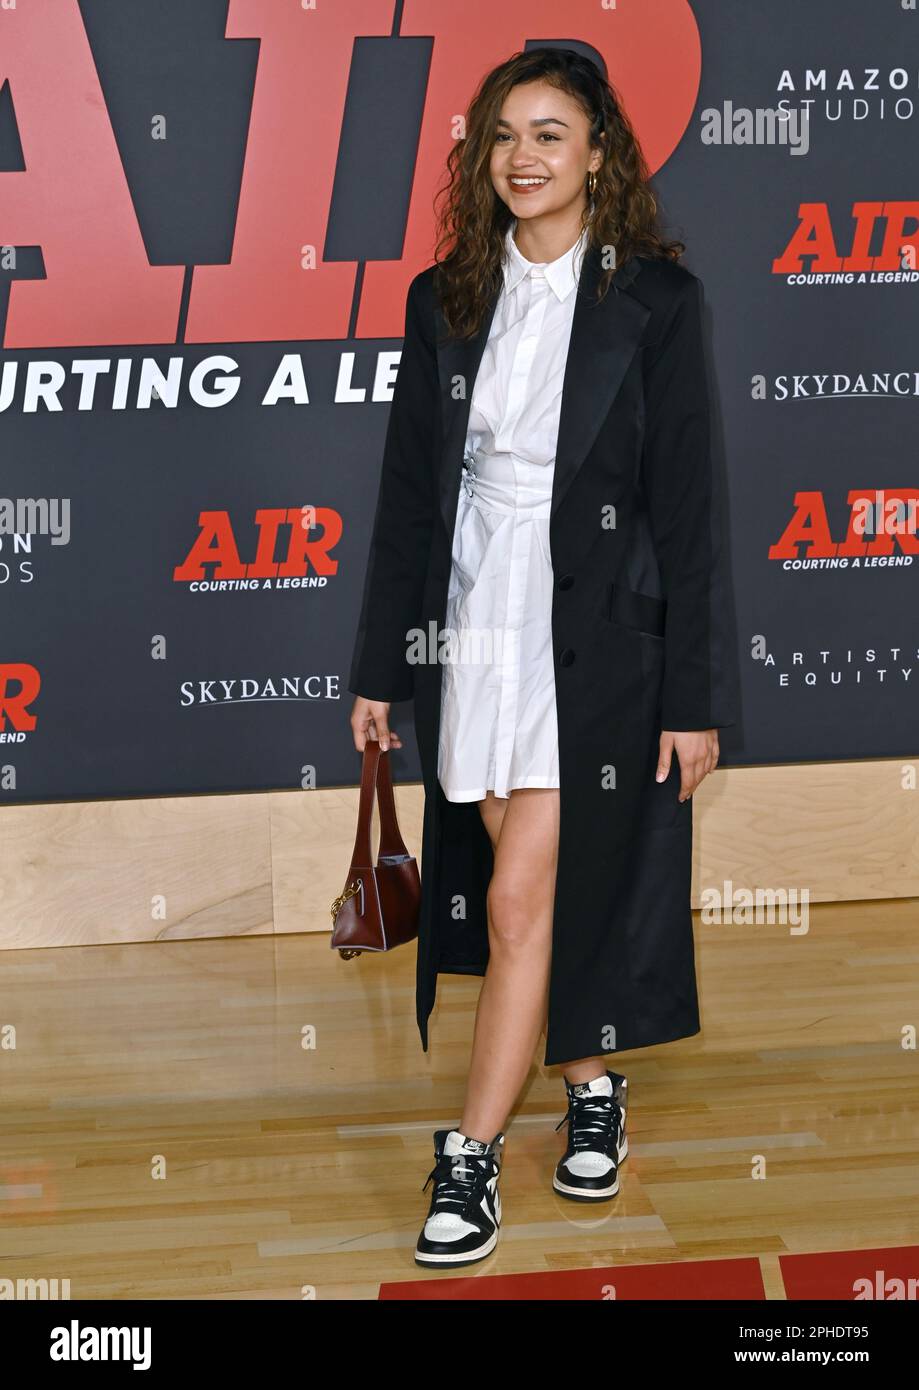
(591, 183)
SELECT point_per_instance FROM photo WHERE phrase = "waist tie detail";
(514, 497)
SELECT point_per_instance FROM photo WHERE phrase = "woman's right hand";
(370, 719)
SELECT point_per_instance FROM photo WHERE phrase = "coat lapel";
(604, 339)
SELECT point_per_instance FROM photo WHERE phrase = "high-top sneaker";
(465, 1212)
(597, 1144)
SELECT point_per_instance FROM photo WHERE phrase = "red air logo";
(881, 524)
(19, 687)
(896, 224)
(290, 547)
(74, 201)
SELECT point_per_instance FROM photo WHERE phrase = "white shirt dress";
(498, 728)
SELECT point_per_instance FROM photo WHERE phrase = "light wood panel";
(81, 873)
(85, 872)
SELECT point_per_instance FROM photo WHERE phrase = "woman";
(547, 503)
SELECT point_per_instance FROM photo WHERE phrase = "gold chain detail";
(339, 902)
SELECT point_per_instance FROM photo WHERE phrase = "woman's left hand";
(697, 753)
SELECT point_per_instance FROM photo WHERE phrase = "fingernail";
(659, 777)
(385, 745)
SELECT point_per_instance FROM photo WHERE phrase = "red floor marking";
(853, 1275)
(680, 1279)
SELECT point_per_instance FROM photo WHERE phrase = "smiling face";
(542, 153)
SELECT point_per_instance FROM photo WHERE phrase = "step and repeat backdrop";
(209, 217)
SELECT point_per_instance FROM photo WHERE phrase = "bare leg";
(512, 1001)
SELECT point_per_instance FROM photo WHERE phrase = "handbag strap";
(376, 779)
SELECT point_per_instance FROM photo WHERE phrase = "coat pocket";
(641, 612)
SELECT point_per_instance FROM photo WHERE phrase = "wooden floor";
(164, 1132)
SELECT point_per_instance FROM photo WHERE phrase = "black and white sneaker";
(597, 1144)
(465, 1213)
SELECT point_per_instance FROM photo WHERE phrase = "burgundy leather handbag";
(380, 904)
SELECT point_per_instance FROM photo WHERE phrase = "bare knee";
(515, 920)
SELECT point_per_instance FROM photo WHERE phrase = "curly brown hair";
(473, 220)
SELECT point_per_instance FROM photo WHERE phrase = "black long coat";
(640, 636)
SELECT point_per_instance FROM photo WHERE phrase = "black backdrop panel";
(112, 667)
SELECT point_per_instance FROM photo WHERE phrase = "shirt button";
(566, 581)
(567, 657)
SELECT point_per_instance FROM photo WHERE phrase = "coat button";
(566, 581)
(567, 657)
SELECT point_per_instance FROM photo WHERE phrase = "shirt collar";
(562, 274)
